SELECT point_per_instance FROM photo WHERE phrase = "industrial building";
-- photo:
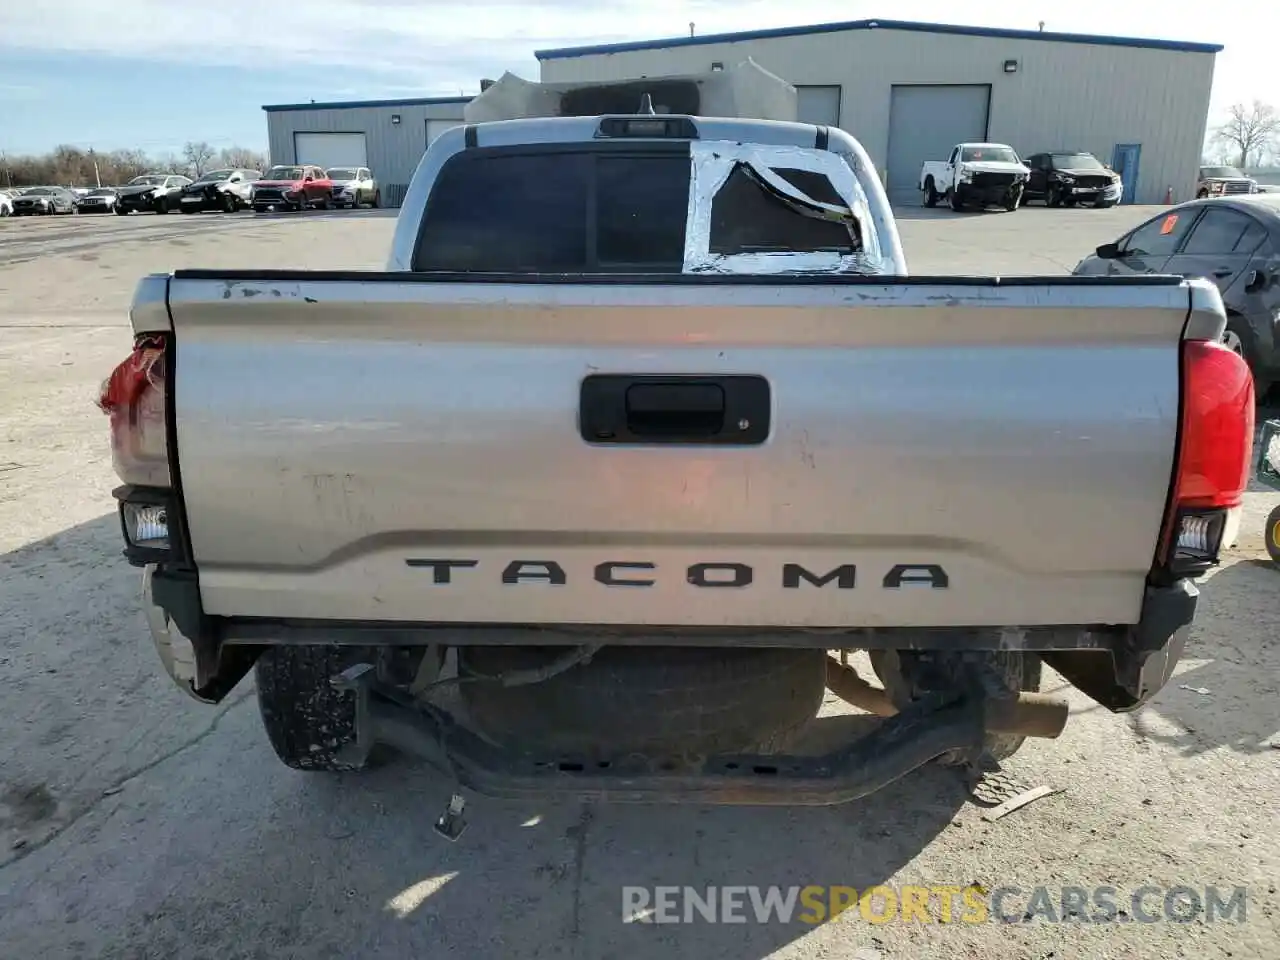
(907, 91)
(387, 136)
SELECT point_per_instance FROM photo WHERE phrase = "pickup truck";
(975, 174)
(642, 429)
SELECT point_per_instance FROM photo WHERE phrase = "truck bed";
(979, 452)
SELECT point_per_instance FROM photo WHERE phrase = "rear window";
(604, 210)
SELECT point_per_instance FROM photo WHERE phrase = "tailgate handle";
(645, 409)
(680, 409)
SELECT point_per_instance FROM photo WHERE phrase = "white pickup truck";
(978, 174)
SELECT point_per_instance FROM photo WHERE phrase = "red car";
(294, 187)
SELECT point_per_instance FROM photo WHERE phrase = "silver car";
(353, 186)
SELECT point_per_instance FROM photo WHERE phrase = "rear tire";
(308, 721)
(908, 675)
(930, 194)
(656, 702)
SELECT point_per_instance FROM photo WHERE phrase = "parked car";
(293, 186)
(975, 174)
(659, 625)
(354, 186)
(1235, 243)
(6, 204)
(155, 192)
(44, 200)
(1224, 182)
(99, 200)
(1068, 177)
(226, 190)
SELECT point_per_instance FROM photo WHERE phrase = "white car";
(353, 186)
(978, 174)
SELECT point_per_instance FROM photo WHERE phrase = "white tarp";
(746, 90)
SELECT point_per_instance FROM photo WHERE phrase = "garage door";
(925, 122)
(437, 127)
(330, 149)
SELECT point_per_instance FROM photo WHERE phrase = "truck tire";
(957, 201)
(656, 702)
(930, 194)
(1273, 536)
(906, 675)
(307, 720)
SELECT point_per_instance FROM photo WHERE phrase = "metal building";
(909, 91)
(387, 136)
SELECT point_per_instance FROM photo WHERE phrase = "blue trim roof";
(353, 104)
(567, 52)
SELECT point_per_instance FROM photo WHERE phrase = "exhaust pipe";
(1030, 715)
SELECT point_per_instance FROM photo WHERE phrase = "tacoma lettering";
(705, 576)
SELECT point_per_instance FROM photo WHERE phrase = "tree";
(1249, 131)
(198, 154)
(242, 158)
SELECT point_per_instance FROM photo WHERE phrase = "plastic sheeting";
(746, 90)
(712, 163)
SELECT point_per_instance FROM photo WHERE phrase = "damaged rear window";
(608, 208)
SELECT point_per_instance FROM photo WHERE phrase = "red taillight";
(1215, 455)
(1216, 446)
(134, 398)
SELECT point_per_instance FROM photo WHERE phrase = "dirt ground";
(135, 823)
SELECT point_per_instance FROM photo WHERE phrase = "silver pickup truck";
(646, 424)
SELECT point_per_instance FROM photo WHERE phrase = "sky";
(153, 74)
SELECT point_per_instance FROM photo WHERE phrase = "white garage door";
(925, 122)
(437, 127)
(330, 149)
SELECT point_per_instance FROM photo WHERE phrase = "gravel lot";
(135, 823)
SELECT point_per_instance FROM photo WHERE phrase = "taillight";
(134, 398)
(1215, 455)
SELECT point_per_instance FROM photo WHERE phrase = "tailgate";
(938, 453)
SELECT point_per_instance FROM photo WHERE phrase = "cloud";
(435, 45)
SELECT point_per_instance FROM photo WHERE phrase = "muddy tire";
(907, 675)
(307, 720)
(665, 702)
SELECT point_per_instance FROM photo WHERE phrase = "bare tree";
(198, 154)
(1249, 131)
(242, 158)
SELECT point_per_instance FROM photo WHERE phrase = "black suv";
(1068, 177)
